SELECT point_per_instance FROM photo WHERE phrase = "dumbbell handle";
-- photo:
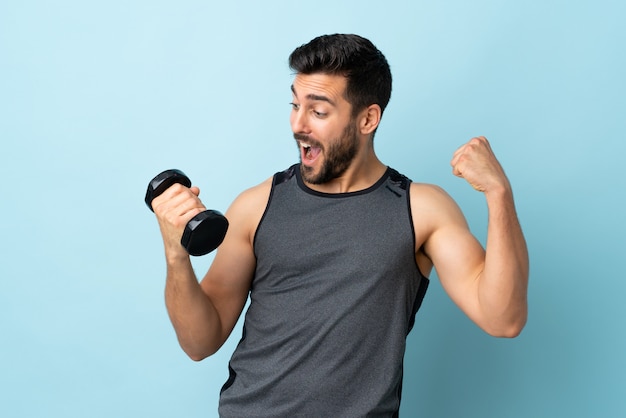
(205, 231)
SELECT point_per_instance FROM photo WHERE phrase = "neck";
(364, 172)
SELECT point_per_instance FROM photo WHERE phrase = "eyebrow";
(315, 97)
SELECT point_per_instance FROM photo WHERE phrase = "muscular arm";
(490, 285)
(204, 314)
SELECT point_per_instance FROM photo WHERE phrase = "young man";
(334, 253)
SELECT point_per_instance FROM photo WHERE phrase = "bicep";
(457, 256)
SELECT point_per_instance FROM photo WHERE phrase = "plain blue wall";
(97, 97)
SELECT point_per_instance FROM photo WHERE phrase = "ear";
(370, 118)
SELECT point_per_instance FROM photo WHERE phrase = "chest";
(304, 239)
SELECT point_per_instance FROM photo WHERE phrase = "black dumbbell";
(205, 231)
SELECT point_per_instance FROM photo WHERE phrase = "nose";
(298, 121)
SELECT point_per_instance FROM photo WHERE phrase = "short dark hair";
(365, 67)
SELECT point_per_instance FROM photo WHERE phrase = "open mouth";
(309, 151)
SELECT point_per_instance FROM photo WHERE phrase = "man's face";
(322, 124)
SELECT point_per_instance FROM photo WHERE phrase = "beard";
(337, 158)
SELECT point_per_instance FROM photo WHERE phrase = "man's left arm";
(490, 286)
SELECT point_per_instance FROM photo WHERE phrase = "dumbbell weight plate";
(204, 232)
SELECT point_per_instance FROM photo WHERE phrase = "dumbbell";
(205, 231)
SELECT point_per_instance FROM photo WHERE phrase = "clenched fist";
(477, 164)
(174, 208)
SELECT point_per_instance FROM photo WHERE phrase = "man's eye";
(294, 106)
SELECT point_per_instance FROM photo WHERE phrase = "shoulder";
(253, 199)
(251, 203)
(432, 207)
(430, 196)
(245, 212)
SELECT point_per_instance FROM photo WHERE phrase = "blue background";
(97, 97)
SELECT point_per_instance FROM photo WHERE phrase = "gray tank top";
(333, 298)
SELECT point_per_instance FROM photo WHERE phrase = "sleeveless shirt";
(334, 295)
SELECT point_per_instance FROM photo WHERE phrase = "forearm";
(191, 312)
(503, 283)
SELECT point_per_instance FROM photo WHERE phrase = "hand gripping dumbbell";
(205, 231)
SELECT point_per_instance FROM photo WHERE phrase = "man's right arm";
(204, 314)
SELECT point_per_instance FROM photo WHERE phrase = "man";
(335, 253)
